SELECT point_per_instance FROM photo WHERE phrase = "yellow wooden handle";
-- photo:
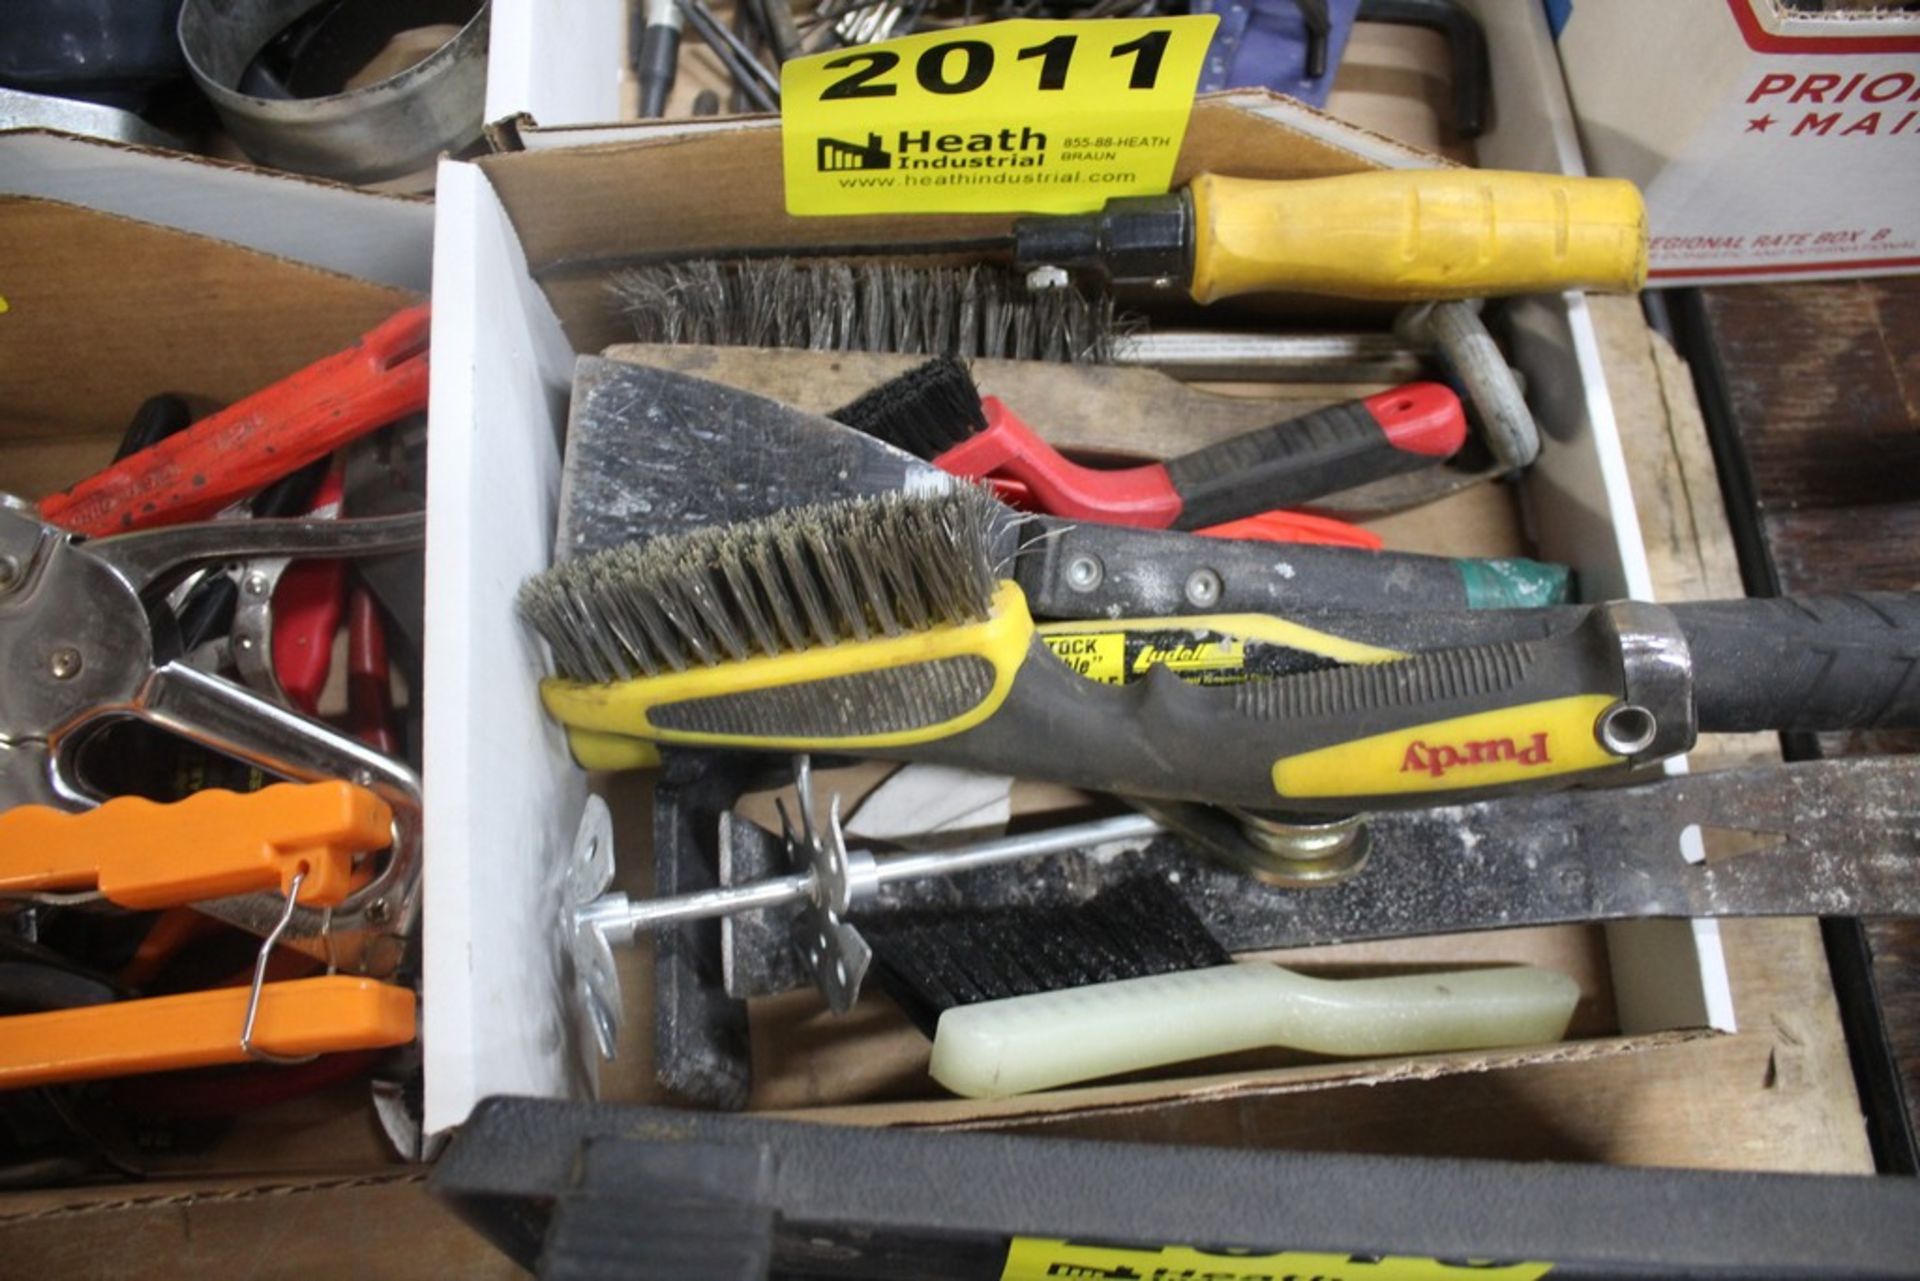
(1411, 235)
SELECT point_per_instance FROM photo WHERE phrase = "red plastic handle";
(1295, 527)
(1420, 418)
(1008, 447)
(307, 606)
(369, 680)
(255, 441)
(1031, 475)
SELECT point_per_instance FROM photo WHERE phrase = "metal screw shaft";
(620, 918)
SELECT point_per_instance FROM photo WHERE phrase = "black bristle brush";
(933, 960)
(1026, 999)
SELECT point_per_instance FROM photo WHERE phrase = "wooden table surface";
(1818, 385)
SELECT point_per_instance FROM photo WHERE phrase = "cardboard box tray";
(520, 295)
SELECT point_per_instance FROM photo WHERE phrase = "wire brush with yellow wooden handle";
(1396, 235)
(1406, 235)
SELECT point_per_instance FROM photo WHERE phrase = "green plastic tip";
(1513, 582)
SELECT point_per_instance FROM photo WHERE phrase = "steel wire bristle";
(833, 306)
(806, 578)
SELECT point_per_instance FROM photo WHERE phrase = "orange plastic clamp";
(141, 854)
(202, 1029)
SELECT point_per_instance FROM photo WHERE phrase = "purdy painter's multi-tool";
(1737, 665)
(886, 627)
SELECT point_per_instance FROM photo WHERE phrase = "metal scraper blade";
(651, 452)
(1823, 838)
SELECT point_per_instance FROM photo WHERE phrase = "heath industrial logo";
(838, 156)
(1005, 149)
(1022, 148)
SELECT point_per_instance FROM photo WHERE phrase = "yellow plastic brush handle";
(1413, 235)
(777, 701)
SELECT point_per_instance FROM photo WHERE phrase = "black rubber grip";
(157, 418)
(1808, 663)
(656, 66)
(293, 493)
(1285, 464)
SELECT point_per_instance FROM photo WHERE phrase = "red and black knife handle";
(1316, 454)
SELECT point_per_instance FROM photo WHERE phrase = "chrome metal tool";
(1825, 838)
(826, 881)
(81, 649)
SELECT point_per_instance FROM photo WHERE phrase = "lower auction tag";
(1007, 117)
(1039, 1259)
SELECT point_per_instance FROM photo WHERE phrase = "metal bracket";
(835, 951)
(1656, 719)
(595, 981)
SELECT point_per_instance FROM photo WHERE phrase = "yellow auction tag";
(1007, 117)
(1039, 1259)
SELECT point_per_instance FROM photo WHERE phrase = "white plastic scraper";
(1026, 1043)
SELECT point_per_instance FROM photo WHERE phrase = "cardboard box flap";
(586, 201)
(80, 347)
(1773, 142)
(375, 236)
(1088, 1101)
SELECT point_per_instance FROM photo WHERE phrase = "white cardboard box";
(503, 797)
(1771, 145)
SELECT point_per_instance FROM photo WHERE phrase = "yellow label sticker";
(1098, 656)
(1198, 655)
(1039, 1259)
(1115, 658)
(1210, 649)
(1486, 749)
(1025, 116)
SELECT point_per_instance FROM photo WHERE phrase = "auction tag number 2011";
(1022, 116)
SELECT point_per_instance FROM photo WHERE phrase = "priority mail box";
(1774, 141)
